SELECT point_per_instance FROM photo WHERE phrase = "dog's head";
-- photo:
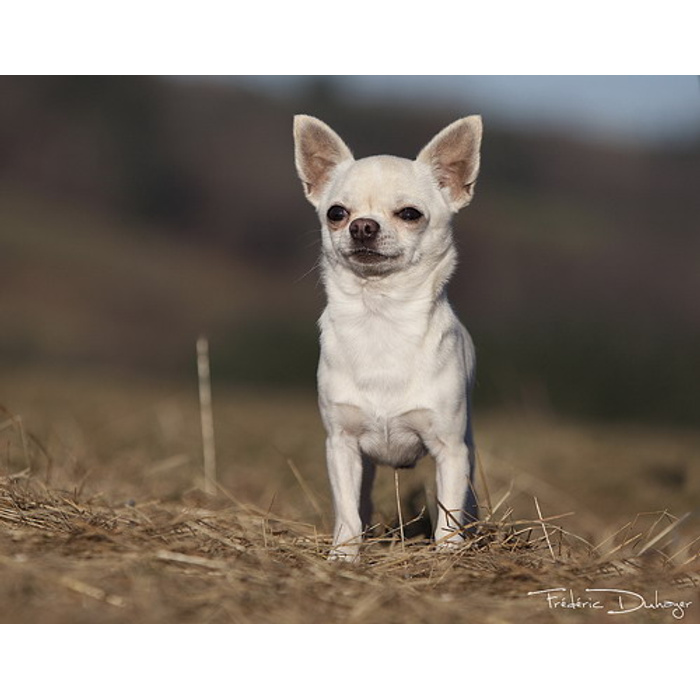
(383, 214)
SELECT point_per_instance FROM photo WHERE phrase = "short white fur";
(397, 367)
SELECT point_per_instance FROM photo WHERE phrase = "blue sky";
(628, 108)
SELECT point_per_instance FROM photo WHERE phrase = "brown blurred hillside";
(136, 213)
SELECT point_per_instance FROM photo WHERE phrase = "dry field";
(103, 517)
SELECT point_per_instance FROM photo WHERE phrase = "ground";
(103, 517)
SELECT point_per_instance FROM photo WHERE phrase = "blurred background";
(139, 212)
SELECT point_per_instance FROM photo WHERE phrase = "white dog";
(396, 366)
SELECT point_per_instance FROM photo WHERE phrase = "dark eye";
(336, 213)
(409, 214)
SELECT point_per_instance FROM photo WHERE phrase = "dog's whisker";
(313, 268)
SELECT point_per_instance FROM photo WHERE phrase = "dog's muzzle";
(364, 231)
(365, 234)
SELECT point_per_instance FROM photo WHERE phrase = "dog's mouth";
(367, 256)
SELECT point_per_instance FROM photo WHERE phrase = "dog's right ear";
(318, 150)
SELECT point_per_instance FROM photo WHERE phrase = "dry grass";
(86, 538)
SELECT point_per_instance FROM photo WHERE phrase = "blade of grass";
(206, 416)
(398, 508)
(662, 534)
(544, 528)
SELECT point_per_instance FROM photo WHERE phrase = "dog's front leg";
(345, 472)
(455, 502)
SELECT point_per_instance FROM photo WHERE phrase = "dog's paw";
(348, 554)
(449, 543)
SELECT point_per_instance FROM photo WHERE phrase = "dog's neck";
(415, 289)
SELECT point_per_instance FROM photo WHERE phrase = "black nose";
(364, 230)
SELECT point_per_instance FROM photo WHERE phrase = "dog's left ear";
(318, 150)
(453, 156)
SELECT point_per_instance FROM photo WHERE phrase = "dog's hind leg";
(471, 505)
(366, 507)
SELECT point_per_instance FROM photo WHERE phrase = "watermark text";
(614, 601)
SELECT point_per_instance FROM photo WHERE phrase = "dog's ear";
(318, 150)
(453, 156)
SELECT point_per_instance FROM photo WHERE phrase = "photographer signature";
(616, 602)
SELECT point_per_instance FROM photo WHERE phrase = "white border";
(362, 37)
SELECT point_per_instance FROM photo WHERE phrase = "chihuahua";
(396, 366)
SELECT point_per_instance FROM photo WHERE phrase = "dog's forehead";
(379, 177)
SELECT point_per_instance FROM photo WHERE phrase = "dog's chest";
(393, 440)
(378, 357)
(373, 384)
